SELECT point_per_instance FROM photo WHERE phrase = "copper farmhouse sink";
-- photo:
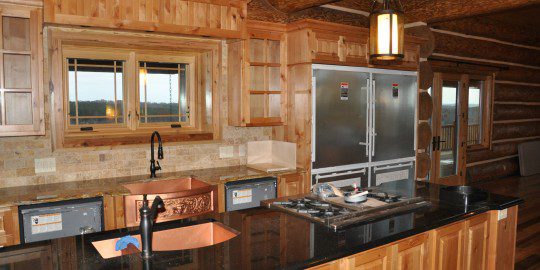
(183, 198)
(189, 237)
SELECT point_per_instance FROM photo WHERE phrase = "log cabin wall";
(514, 55)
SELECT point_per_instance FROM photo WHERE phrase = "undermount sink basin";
(183, 198)
(189, 237)
(462, 195)
(165, 186)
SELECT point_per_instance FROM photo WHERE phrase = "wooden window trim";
(207, 125)
(487, 111)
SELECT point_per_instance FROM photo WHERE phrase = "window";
(125, 94)
(163, 93)
(478, 111)
(96, 91)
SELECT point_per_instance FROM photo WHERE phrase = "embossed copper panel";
(183, 198)
(189, 237)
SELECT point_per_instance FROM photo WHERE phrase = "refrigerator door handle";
(409, 164)
(373, 111)
(367, 119)
(318, 176)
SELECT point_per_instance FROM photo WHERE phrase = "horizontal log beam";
(517, 74)
(444, 10)
(494, 170)
(497, 52)
(486, 27)
(517, 130)
(521, 93)
(288, 6)
(497, 151)
(515, 112)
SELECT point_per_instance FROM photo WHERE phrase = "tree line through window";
(97, 91)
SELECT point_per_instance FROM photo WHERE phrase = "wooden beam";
(444, 10)
(288, 6)
(486, 27)
(487, 50)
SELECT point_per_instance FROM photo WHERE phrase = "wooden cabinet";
(412, 253)
(449, 246)
(217, 18)
(461, 245)
(257, 77)
(113, 212)
(332, 47)
(9, 226)
(476, 242)
(292, 184)
(21, 54)
(375, 259)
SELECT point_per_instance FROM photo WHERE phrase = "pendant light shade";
(386, 30)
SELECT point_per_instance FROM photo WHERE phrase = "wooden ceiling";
(515, 21)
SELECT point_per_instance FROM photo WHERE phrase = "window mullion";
(115, 99)
(76, 94)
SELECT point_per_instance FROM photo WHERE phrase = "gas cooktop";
(335, 213)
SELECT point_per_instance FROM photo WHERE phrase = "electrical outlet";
(45, 165)
(503, 214)
(226, 152)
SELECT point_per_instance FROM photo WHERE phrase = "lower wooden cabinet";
(292, 184)
(9, 226)
(476, 242)
(412, 253)
(375, 259)
(449, 246)
(461, 245)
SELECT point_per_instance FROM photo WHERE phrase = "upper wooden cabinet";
(21, 95)
(338, 44)
(257, 76)
(216, 18)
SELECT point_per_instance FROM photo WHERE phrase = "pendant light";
(386, 30)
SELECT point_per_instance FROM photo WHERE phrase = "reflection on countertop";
(268, 239)
(114, 186)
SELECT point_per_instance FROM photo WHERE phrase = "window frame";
(207, 55)
(95, 54)
(191, 89)
(486, 108)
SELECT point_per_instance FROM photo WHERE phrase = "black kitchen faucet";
(153, 166)
(146, 227)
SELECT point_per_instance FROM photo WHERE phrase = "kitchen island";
(440, 236)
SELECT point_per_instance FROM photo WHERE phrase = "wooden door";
(292, 184)
(448, 129)
(449, 247)
(412, 253)
(375, 259)
(21, 101)
(476, 240)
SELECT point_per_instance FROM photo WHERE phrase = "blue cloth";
(123, 242)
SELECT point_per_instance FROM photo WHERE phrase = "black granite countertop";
(268, 239)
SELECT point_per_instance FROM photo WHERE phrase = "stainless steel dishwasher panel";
(249, 193)
(46, 221)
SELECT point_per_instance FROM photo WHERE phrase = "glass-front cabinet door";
(448, 122)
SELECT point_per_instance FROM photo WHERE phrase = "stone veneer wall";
(17, 154)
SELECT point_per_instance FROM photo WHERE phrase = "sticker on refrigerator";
(46, 223)
(242, 196)
(344, 91)
(395, 90)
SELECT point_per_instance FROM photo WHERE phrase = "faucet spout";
(146, 227)
(153, 166)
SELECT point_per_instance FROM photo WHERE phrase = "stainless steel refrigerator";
(363, 125)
